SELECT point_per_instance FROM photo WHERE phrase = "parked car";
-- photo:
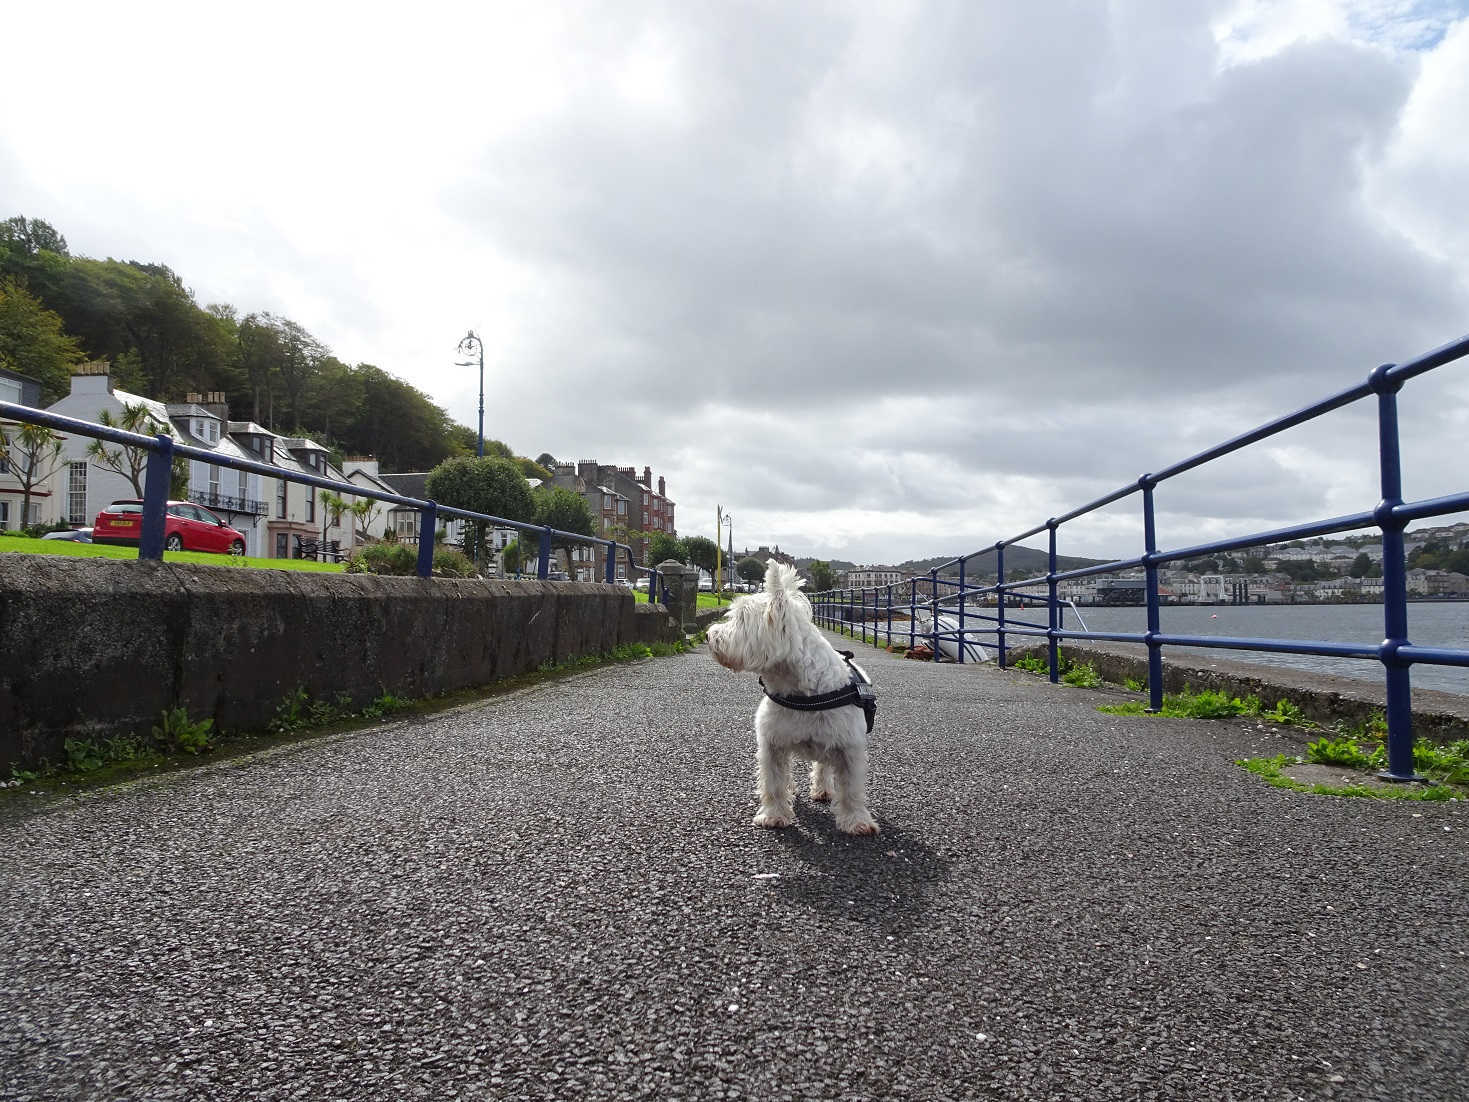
(79, 535)
(186, 527)
(557, 576)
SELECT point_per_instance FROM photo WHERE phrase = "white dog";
(818, 705)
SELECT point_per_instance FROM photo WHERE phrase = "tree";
(33, 453)
(821, 576)
(566, 510)
(546, 460)
(1361, 566)
(364, 512)
(703, 553)
(131, 462)
(333, 505)
(491, 486)
(662, 547)
(751, 569)
(29, 236)
(33, 342)
(514, 555)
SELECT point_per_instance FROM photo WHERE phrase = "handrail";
(163, 449)
(932, 593)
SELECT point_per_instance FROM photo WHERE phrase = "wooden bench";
(315, 549)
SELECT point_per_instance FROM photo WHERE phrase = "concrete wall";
(92, 648)
(1326, 699)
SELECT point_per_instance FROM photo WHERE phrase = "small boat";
(949, 646)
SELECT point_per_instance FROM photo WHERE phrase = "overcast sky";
(886, 280)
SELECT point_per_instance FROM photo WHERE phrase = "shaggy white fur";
(772, 634)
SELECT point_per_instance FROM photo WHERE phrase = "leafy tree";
(751, 569)
(566, 510)
(33, 453)
(30, 235)
(1254, 564)
(702, 553)
(492, 486)
(515, 555)
(1361, 566)
(131, 462)
(546, 460)
(662, 547)
(822, 577)
(33, 342)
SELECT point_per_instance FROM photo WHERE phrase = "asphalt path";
(557, 893)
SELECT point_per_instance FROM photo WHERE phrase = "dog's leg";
(773, 786)
(849, 785)
(820, 782)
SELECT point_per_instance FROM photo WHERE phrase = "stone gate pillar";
(682, 583)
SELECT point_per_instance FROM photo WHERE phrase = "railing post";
(1000, 602)
(1051, 603)
(1150, 571)
(933, 611)
(962, 637)
(543, 566)
(157, 479)
(912, 611)
(428, 525)
(1400, 765)
(890, 613)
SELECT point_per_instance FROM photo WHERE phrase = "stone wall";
(91, 648)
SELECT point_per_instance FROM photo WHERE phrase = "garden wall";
(92, 648)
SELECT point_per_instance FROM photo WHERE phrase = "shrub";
(449, 563)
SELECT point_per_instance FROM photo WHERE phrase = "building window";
(310, 504)
(76, 494)
(4, 515)
(622, 507)
(280, 501)
(214, 432)
(213, 482)
(281, 548)
(244, 485)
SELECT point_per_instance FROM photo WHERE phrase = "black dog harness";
(859, 692)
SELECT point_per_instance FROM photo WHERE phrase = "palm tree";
(132, 462)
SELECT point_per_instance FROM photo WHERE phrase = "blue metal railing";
(162, 450)
(945, 602)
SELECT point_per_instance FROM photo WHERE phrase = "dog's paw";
(859, 825)
(772, 820)
(821, 795)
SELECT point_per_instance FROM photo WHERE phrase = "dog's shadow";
(886, 881)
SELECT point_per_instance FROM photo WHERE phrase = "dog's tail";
(781, 578)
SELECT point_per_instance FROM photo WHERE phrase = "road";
(557, 893)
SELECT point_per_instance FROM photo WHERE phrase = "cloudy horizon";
(884, 281)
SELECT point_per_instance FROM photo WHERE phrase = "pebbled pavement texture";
(558, 894)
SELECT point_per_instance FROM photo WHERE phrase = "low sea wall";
(92, 648)
(1324, 698)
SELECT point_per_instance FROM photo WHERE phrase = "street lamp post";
(470, 345)
(726, 520)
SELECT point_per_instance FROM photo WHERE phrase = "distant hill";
(1020, 562)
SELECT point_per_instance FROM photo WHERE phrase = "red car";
(186, 527)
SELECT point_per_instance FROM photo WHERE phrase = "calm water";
(1430, 624)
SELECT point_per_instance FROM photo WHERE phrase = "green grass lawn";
(27, 546)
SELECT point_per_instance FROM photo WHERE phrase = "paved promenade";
(558, 894)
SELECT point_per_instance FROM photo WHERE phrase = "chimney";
(648, 477)
(661, 491)
(365, 463)
(214, 402)
(92, 377)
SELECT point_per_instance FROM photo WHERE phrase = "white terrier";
(817, 705)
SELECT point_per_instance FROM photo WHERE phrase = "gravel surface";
(558, 894)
